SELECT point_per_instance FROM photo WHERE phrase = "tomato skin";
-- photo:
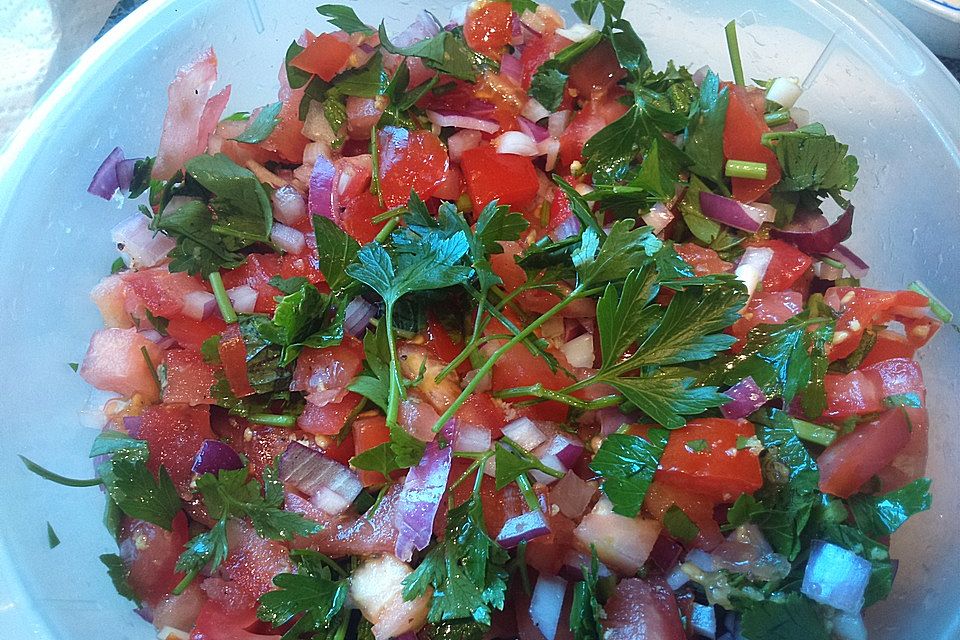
(786, 267)
(150, 554)
(330, 418)
(326, 55)
(596, 71)
(414, 160)
(233, 357)
(328, 369)
(715, 472)
(489, 28)
(742, 132)
(585, 124)
(287, 139)
(341, 451)
(216, 623)
(369, 432)
(189, 378)
(854, 458)
(114, 362)
(440, 342)
(510, 179)
(862, 308)
(889, 344)
(357, 217)
(174, 434)
(643, 610)
(482, 410)
(191, 334)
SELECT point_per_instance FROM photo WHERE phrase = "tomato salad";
(493, 330)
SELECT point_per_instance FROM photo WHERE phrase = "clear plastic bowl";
(880, 91)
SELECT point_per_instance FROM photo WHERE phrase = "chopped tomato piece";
(489, 28)
(189, 378)
(537, 51)
(482, 410)
(585, 124)
(150, 554)
(440, 342)
(326, 56)
(233, 357)
(256, 272)
(596, 71)
(287, 139)
(703, 260)
(191, 334)
(786, 267)
(856, 457)
(889, 344)
(357, 216)
(325, 373)
(409, 160)
(115, 362)
(742, 133)
(498, 506)
(851, 394)
(509, 179)
(643, 610)
(175, 434)
(719, 471)
(161, 291)
(330, 418)
(767, 308)
(661, 497)
(862, 308)
(217, 623)
(367, 434)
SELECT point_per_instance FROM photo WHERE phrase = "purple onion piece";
(854, 263)
(358, 315)
(572, 495)
(703, 620)
(523, 528)
(423, 489)
(215, 456)
(836, 577)
(730, 212)
(462, 121)
(331, 486)
(566, 229)
(665, 553)
(132, 425)
(804, 236)
(510, 67)
(320, 197)
(546, 603)
(532, 129)
(746, 397)
(125, 173)
(105, 183)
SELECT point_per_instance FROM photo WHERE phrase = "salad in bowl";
(490, 329)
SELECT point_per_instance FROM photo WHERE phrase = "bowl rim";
(941, 8)
(20, 151)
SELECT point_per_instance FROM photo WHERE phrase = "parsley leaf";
(624, 249)
(262, 126)
(374, 383)
(368, 81)
(704, 135)
(550, 80)
(679, 525)
(119, 575)
(814, 161)
(345, 18)
(466, 570)
(879, 516)
(312, 593)
(668, 395)
(626, 465)
(794, 617)
(444, 52)
(586, 612)
(702, 227)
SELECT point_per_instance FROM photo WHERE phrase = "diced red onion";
(579, 351)
(125, 171)
(701, 559)
(154, 336)
(829, 272)
(854, 263)
(849, 626)
(700, 74)
(746, 397)
(703, 620)
(425, 26)
(216, 456)
(532, 129)
(320, 200)
(105, 182)
(730, 212)
(510, 68)
(460, 121)
(523, 528)
(288, 205)
(243, 298)
(145, 247)
(574, 563)
(658, 217)
(358, 315)
(516, 33)
(677, 578)
(557, 123)
(525, 433)
(753, 266)
(516, 143)
(611, 419)
(747, 551)
(836, 577)
(545, 604)
(471, 437)
(462, 141)
(566, 229)
(132, 425)
(332, 487)
(423, 489)
(287, 238)
(549, 147)
(572, 495)
(811, 237)
(534, 111)
(666, 553)
(532, 22)
(199, 305)
(549, 460)
(785, 92)
(566, 448)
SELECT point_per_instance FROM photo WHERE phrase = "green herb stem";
(746, 169)
(936, 306)
(187, 579)
(526, 490)
(46, 474)
(375, 157)
(499, 353)
(223, 300)
(274, 420)
(813, 433)
(389, 214)
(396, 385)
(153, 369)
(538, 391)
(536, 462)
(733, 46)
(777, 118)
(387, 230)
